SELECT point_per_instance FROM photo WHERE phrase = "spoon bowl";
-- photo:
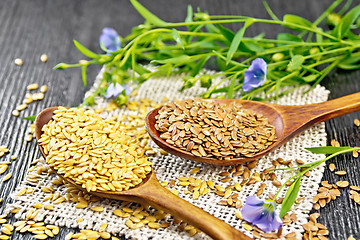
(289, 121)
(150, 191)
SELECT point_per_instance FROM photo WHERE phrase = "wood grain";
(33, 27)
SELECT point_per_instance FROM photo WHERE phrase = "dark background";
(33, 27)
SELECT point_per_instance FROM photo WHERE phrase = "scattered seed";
(7, 177)
(43, 88)
(238, 214)
(340, 173)
(195, 170)
(43, 58)
(334, 143)
(357, 122)
(32, 86)
(247, 227)
(97, 209)
(29, 138)
(332, 167)
(153, 225)
(18, 61)
(105, 235)
(3, 169)
(15, 113)
(342, 183)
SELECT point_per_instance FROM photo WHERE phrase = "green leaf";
(85, 51)
(290, 197)
(140, 70)
(288, 37)
(237, 39)
(190, 12)
(149, 16)
(198, 66)
(294, 19)
(83, 74)
(295, 63)
(180, 60)
(227, 33)
(270, 12)
(254, 46)
(327, 149)
(30, 118)
(175, 34)
(350, 63)
(310, 78)
(212, 29)
(231, 88)
(345, 24)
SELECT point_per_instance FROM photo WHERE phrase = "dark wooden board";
(33, 27)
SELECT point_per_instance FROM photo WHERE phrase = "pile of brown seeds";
(209, 129)
(327, 192)
(313, 229)
(354, 194)
(97, 154)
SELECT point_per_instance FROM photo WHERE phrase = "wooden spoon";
(151, 192)
(289, 121)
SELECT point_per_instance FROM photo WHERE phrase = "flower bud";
(277, 57)
(121, 100)
(333, 19)
(61, 66)
(205, 81)
(201, 16)
(188, 83)
(314, 50)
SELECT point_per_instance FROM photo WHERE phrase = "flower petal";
(110, 39)
(269, 222)
(254, 201)
(115, 89)
(251, 213)
(255, 75)
(261, 214)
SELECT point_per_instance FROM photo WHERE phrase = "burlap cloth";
(169, 167)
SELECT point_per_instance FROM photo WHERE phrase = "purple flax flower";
(110, 40)
(255, 75)
(261, 214)
(116, 89)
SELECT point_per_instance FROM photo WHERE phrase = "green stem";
(259, 20)
(310, 166)
(319, 161)
(327, 12)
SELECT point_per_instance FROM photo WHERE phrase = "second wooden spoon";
(289, 121)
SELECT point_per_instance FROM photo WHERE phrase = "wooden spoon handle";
(299, 118)
(163, 199)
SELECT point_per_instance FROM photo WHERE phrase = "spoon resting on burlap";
(289, 121)
(149, 191)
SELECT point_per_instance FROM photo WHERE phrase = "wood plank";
(30, 28)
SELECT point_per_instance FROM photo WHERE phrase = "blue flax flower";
(261, 214)
(255, 75)
(115, 89)
(110, 40)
